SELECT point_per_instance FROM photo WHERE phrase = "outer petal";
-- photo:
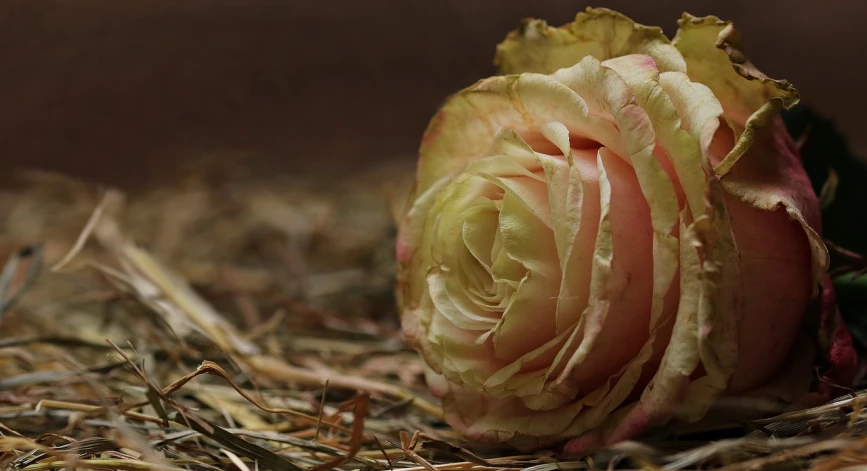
(714, 56)
(715, 237)
(773, 175)
(416, 306)
(464, 128)
(598, 32)
(764, 168)
(769, 175)
(767, 241)
(721, 296)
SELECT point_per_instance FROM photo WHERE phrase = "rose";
(615, 232)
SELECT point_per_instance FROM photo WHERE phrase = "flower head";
(615, 231)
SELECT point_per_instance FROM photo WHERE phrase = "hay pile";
(216, 323)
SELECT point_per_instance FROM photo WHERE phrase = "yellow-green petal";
(714, 56)
(598, 32)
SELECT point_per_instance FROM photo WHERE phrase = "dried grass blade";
(359, 414)
(265, 457)
(151, 277)
(9, 274)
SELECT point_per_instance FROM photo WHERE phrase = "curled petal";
(714, 56)
(684, 150)
(532, 245)
(565, 178)
(597, 32)
(774, 175)
(412, 260)
(462, 131)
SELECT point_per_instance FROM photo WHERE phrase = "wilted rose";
(616, 231)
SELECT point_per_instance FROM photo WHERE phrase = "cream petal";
(722, 295)
(443, 231)
(521, 377)
(575, 217)
(531, 193)
(527, 324)
(524, 225)
(478, 230)
(510, 156)
(411, 237)
(506, 269)
(564, 191)
(462, 359)
(415, 323)
(451, 302)
(466, 125)
(698, 109)
(683, 150)
(566, 196)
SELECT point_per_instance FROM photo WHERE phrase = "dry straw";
(220, 324)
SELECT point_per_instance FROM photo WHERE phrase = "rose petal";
(682, 355)
(721, 296)
(569, 208)
(478, 229)
(714, 56)
(621, 383)
(683, 151)
(531, 243)
(698, 111)
(451, 303)
(459, 358)
(466, 125)
(604, 89)
(411, 236)
(769, 175)
(597, 32)
(565, 193)
(775, 261)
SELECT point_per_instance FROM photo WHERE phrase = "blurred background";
(127, 92)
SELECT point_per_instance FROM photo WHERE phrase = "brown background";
(126, 91)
